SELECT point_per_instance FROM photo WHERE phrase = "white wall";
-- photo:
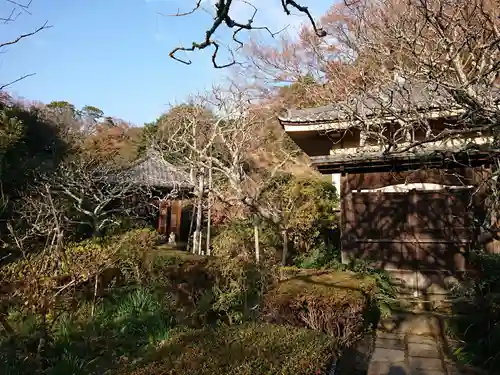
(336, 182)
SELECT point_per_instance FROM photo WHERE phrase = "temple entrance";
(174, 218)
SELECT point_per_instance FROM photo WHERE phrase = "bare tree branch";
(26, 35)
(17, 10)
(5, 85)
(222, 17)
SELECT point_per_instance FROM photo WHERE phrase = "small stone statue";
(171, 239)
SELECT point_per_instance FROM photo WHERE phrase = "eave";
(329, 164)
(298, 125)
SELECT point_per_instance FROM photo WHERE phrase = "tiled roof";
(154, 171)
(396, 98)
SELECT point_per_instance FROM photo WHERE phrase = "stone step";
(411, 323)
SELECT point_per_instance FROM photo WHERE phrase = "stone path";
(408, 354)
(411, 345)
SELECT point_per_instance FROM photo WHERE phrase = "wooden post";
(256, 239)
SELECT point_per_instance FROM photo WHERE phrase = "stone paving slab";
(426, 364)
(395, 344)
(391, 336)
(421, 339)
(423, 350)
(387, 355)
(386, 368)
(410, 344)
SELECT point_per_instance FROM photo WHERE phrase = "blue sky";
(113, 54)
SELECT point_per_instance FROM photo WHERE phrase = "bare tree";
(17, 9)
(416, 55)
(84, 191)
(231, 145)
(223, 17)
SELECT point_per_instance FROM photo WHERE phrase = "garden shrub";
(477, 306)
(308, 208)
(247, 349)
(236, 239)
(211, 288)
(52, 281)
(127, 324)
(337, 303)
(385, 299)
(320, 256)
(188, 277)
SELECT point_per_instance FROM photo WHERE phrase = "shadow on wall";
(427, 231)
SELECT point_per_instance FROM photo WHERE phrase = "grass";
(126, 326)
(242, 350)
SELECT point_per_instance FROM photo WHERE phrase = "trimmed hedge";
(247, 349)
(336, 303)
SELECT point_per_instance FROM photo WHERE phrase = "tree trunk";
(256, 239)
(209, 213)
(284, 255)
(191, 227)
(199, 215)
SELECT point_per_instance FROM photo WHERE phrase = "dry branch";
(17, 9)
(222, 18)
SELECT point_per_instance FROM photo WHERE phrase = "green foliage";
(28, 144)
(92, 113)
(239, 290)
(477, 305)
(62, 105)
(242, 350)
(11, 130)
(324, 258)
(320, 257)
(336, 303)
(211, 289)
(236, 239)
(46, 283)
(385, 299)
(314, 210)
(126, 324)
(308, 208)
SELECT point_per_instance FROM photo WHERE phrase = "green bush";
(320, 256)
(336, 303)
(248, 349)
(53, 281)
(236, 239)
(127, 324)
(477, 306)
(209, 289)
(309, 210)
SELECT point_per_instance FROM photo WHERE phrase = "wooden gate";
(416, 230)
